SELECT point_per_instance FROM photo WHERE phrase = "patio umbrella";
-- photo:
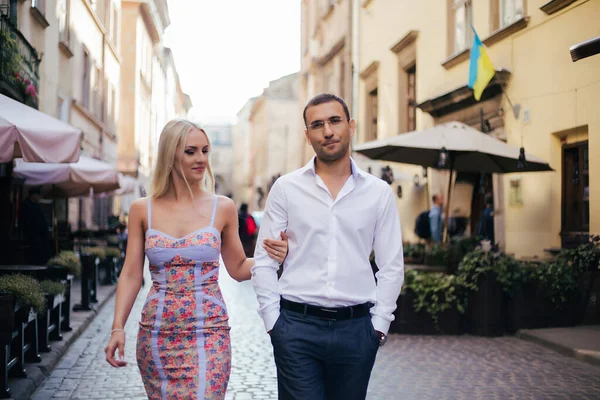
(86, 176)
(454, 146)
(36, 137)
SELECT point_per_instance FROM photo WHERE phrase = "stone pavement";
(408, 367)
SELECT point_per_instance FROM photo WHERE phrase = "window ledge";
(113, 48)
(328, 11)
(366, 3)
(88, 114)
(456, 58)
(502, 33)
(495, 37)
(39, 17)
(64, 47)
(555, 5)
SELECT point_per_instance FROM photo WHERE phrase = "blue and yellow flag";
(481, 70)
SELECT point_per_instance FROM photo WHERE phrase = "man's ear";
(352, 124)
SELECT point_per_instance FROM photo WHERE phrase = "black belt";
(337, 313)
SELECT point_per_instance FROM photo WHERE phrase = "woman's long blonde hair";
(174, 133)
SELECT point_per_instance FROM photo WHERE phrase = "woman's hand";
(117, 341)
(277, 249)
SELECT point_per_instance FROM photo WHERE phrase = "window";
(371, 133)
(510, 11)
(462, 17)
(63, 21)
(114, 26)
(85, 85)
(342, 78)
(40, 5)
(97, 102)
(411, 104)
(576, 189)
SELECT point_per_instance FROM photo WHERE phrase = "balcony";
(19, 64)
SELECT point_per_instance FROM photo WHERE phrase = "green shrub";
(96, 251)
(414, 250)
(52, 287)
(437, 256)
(24, 289)
(112, 252)
(68, 260)
(436, 292)
(509, 272)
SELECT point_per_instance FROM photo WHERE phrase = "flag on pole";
(481, 70)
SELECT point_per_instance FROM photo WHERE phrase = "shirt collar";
(356, 171)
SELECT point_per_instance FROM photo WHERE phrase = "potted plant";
(437, 256)
(491, 276)
(50, 320)
(413, 253)
(431, 302)
(65, 263)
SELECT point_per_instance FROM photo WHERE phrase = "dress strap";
(214, 211)
(149, 212)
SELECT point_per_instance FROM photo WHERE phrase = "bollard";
(88, 263)
(94, 281)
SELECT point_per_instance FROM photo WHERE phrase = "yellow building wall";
(558, 94)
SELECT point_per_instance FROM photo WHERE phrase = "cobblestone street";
(408, 367)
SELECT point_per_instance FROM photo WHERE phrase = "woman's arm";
(130, 280)
(232, 251)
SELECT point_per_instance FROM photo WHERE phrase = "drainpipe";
(354, 32)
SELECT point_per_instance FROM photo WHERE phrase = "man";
(326, 315)
(435, 218)
(35, 228)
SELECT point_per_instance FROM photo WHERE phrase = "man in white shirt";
(327, 316)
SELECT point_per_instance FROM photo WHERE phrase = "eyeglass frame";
(332, 122)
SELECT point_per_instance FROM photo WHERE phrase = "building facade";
(413, 64)
(277, 144)
(242, 144)
(151, 93)
(326, 42)
(221, 157)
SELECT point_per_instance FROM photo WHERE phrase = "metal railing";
(19, 62)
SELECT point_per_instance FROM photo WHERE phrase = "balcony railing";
(19, 64)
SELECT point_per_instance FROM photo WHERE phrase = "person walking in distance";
(327, 315)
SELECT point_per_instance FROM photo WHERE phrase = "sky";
(227, 51)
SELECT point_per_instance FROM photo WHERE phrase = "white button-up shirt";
(330, 242)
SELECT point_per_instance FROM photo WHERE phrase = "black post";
(88, 262)
(7, 320)
(94, 281)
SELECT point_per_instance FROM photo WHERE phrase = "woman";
(183, 345)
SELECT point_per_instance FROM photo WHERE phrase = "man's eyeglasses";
(319, 125)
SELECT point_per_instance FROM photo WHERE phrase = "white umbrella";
(454, 146)
(468, 150)
(70, 180)
(35, 136)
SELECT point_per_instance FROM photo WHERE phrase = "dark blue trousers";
(320, 359)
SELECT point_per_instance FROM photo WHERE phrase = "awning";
(35, 136)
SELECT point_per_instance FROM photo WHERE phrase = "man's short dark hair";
(244, 207)
(322, 99)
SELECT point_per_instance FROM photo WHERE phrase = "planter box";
(18, 340)
(528, 309)
(50, 321)
(409, 321)
(61, 274)
(485, 316)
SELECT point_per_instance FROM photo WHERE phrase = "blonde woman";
(183, 345)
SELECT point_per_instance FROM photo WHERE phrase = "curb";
(37, 372)
(587, 356)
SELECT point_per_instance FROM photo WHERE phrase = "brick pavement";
(408, 367)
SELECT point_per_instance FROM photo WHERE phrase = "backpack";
(250, 225)
(422, 227)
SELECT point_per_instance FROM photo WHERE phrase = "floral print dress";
(183, 346)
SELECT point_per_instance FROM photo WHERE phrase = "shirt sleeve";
(264, 271)
(389, 257)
